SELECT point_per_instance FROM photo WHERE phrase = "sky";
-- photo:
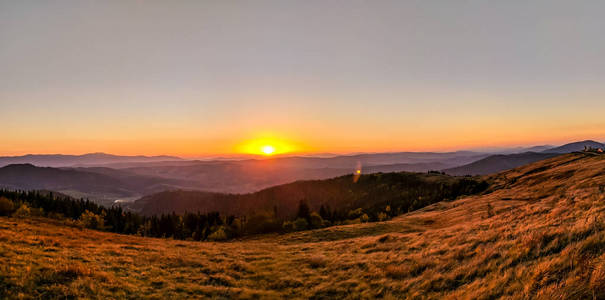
(195, 78)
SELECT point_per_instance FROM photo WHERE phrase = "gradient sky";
(202, 77)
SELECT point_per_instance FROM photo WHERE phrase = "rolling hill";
(538, 234)
(245, 176)
(369, 192)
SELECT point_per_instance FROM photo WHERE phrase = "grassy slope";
(539, 235)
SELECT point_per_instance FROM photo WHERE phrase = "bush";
(56, 216)
(316, 220)
(288, 226)
(356, 213)
(236, 226)
(262, 223)
(23, 211)
(6, 207)
(300, 224)
(218, 235)
(364, 218)
(91, 220)
(353, 221)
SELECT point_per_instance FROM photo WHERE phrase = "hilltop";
(576, 146)
(502, 162)
(538, 233)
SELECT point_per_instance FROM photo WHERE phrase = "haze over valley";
(109, 179)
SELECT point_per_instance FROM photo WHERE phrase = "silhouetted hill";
(342, 193)
(501, 162)
(576, 146)
(61, 160)
(497, 163)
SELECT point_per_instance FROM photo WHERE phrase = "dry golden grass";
(539, 235)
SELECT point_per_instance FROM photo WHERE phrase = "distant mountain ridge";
(501, 162)
(252, 175)
(576, 146)
(63, 160)
(101, 185)
(130, 177)
(497, 163)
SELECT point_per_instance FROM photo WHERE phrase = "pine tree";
(303, 211)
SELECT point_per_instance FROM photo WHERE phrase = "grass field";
(537, 234)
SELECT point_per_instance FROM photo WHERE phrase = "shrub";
(236, 226)
(288, 226)
(364, 218)
(91, 220)
(262, 223)
(301, 224)
(316, 220)
(6, 207)
(355, 213)
(23, 211)
(218, 235)
(56, 216)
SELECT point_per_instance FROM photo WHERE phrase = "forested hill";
(373, 192)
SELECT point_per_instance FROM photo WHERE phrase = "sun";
(267, 149)
(267, 146)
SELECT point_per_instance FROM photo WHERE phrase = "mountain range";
(99, 184)
(109, 178)
(90, 159)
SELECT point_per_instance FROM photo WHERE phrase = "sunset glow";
(217, 91)
(267, 146)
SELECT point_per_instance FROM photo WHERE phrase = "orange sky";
(200, 148)
(200, 78)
